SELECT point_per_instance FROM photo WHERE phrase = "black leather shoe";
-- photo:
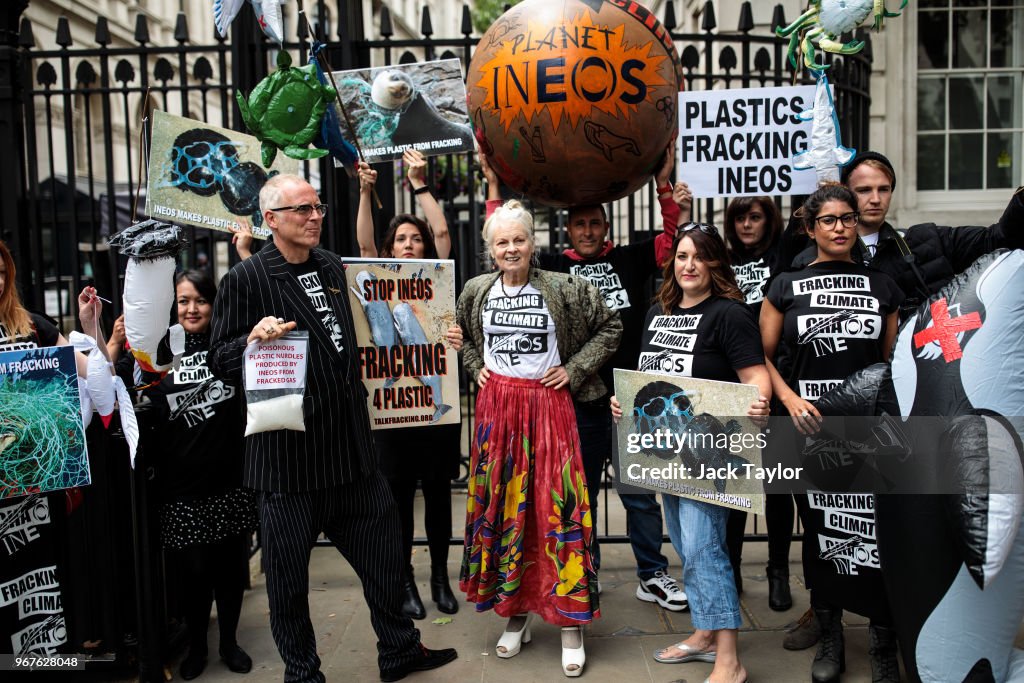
(412, 606)
(425, 660)
(441, 592)
(779, 597)
(192, 666)
(236, 659)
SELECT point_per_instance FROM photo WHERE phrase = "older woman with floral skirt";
(533, 339)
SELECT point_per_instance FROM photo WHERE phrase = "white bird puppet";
(101, 390)
(268, 14)
(152, 248)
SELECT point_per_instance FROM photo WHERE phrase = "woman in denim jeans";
(723, 343)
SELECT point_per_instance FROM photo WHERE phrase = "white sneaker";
(663, 589)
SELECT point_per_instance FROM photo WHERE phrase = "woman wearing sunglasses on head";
(726, 346)
(835, 317)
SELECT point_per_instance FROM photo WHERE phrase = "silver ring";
(269, 329)
(805, 414)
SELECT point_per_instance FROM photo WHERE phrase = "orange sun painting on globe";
(536, 73)
(575, 101)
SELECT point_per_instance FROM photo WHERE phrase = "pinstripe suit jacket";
(336, 447)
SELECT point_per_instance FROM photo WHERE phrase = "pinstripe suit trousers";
(361, 520)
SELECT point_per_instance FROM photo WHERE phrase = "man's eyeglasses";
(304, 209)
(849, 220)
(675, 404)
(703, 227)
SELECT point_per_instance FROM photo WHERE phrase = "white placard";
(276, 365)
(736, 143)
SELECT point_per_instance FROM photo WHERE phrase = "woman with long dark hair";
(428, 456)
(753, 233)
(724, 345)
(835, 317)
(193, 435)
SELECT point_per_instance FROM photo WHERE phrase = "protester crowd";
(543, 419)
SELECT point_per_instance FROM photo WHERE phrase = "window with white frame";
(970, 94)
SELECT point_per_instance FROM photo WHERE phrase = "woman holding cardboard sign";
(836, 317)
(722, 343)
(429, 456)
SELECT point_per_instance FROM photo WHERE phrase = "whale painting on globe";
(575, 101)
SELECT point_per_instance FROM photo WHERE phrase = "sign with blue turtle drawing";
(689, 437)
(207, 176)
(401, 309)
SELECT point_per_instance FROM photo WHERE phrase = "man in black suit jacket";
(324, 479)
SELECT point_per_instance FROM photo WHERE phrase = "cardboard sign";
(742, 142)
(691, 438)
(420, 106)
(42, 442)
(207, 176)
(401, 310)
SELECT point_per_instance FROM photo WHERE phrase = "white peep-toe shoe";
(511, 641)
(573, 656)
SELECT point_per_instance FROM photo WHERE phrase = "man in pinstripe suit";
(324, 479)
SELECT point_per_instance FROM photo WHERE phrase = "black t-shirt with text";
(309, 280)
(622, 276)
(752, 272)
(43, 333)
(197, 428)
(711, 340)
(834, 316)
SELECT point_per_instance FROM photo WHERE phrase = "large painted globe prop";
(574, 101)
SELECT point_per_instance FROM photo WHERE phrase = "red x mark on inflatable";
(944, 330)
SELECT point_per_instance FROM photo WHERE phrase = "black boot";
(737, 577)
(779, 597)
(830, 660)
(412, 606)
(194, 663)
(441, 591)
(882, 649)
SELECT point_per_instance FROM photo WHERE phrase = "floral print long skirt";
(528, 524)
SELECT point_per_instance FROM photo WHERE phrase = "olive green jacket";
(587, 330)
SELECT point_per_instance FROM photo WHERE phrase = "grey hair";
(270, 193)
(511, 211)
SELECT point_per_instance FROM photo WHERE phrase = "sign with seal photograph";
(406, 106)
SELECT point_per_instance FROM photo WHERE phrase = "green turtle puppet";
(284, 110)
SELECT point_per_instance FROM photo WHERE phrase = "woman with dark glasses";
(836, 317)
(700, 300)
